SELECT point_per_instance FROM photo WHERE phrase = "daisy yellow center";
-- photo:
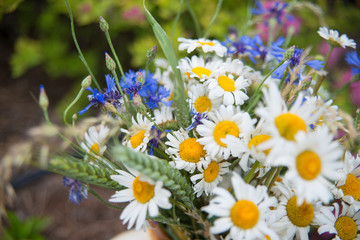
(143, 191)
(351, 187)
(226, 83)
(137, 139)
(191, 151)
(308, 165)
(207, 43)
(300, 216)
(259, 139)
(95, 149)
(224, 128)
(212, 172)
(346, 228)
(245, 214)
(267, 237)
(200, 71)
(289, 125)
(202, 104)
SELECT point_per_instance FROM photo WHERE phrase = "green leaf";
(183, 113)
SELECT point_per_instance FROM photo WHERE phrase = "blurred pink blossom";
(335, 54)
(134, 14)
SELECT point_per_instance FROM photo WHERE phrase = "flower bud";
(289, 53)
(140, 77)
(104, 26)
(109, 107)
(86, 82)
(43, 99)
(75, 117)
(151, 54)
(110, 64)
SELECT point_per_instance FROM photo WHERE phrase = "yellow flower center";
(308, 165)
(245, 214)
(346, 228)
(200, 71)
(207, 43)
(191, 151)
(300, 216)
(137, 139)
(351, 187)
(143, 191)
(289, 125)
(212, 172)
(226, 83)
(259, 139)
(224, 128)
(202, 104)
(95, 149)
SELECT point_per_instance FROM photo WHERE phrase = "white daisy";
(95, 140)
(138, 134)
(206, 45)
(163, 115)
(209, 176)
(348, 187)
(313, 162)
(145, 197)
(332, 36)
(221, 123)
(197, 68)
(189, 154)
(243, 215)
(200, 101)
(283, 124)
(343, 221)
(290, 218)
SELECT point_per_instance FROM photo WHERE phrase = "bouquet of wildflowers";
(237, 140)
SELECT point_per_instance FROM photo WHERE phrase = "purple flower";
(77, 190)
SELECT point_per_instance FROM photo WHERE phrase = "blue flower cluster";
(77, 190)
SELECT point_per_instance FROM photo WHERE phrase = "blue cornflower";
(95, 99)
(111, 93)
(77, 190)
(197, 119)
(292, 62)
(353, 60)
(132, 86)
(276, 10)
(157, 137)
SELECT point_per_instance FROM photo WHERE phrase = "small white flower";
(332, 36)
(348, 186)
(95, 140)
(200, 101)
(343, 221)
(244, 215)
(313, 162)
(206, 45)
(222, 123)
(138, 134)
(189, 154)
(209, 176)
(145, 197)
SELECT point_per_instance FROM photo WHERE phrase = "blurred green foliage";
(29, 229)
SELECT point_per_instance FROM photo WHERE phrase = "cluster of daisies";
(261, 150)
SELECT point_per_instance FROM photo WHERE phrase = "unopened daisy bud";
(289, 53)
(75, 117)
(86, 82)
(111, 108)
(110, 63)
(104, 26)
(43, 99)
(140, 77)
(137, 99)
(151, 54)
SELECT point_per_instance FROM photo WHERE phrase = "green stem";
(321, 79)
(278, 170)
(72, 104)
(283, 78)
(218, 7)
(251, 174)
(270, 176)
(103, 201)
(108, 38)
(255, 98)
(193, 16)
(177, 18)
(82, 58)
(46, 116)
